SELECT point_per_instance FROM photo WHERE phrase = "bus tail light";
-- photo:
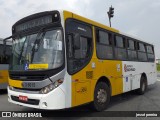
(51, 86)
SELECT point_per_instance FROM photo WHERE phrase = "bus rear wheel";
(101, 96)
(143, 86)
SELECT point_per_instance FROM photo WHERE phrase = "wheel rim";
(102, 96)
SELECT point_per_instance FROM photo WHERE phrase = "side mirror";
(76, 41)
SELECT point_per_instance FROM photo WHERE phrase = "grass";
(158, 67)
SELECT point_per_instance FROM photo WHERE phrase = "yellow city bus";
(5, 52)
(61, 60)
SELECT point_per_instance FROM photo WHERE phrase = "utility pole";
(110, 14)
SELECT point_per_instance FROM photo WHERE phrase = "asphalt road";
(150, 101)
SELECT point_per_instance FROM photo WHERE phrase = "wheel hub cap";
(102, 96)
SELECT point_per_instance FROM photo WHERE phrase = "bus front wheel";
(101, 96)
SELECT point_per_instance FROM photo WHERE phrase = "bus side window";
(120, 48)
(150, 53)
(79, 45)
(142, 56)
(104, 45)
(132, 54)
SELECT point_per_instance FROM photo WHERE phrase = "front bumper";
(53, 100)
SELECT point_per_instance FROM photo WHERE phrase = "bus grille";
(28, 77)
(30, 101)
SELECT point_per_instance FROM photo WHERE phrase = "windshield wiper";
(37, 42)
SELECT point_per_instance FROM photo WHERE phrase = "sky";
(138, 18)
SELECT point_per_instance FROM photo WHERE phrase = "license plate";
(23, 98)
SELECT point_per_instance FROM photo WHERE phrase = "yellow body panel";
(82, 86)
(104, 68)
(15, 83)
(67, 15)
(3, 76)
(38, 66)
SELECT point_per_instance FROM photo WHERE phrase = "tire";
(143, 86)
(101, 97)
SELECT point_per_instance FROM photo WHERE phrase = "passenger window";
(132, 53)
(103, 38)
(150, 53)
(104, 47)
(150, 49)
(119, 41)
(120, 50)
(141, 47)
(131, 44)
(142, 55)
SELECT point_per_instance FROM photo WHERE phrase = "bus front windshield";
(41, 49)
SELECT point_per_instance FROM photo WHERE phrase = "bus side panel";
(132, 72)
(113, 71)
(83, 87)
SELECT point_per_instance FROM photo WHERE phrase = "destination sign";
(34, 23)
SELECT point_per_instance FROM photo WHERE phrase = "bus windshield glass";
(37, 51)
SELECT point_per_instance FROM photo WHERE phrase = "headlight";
(11, 88)
(51, 87)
